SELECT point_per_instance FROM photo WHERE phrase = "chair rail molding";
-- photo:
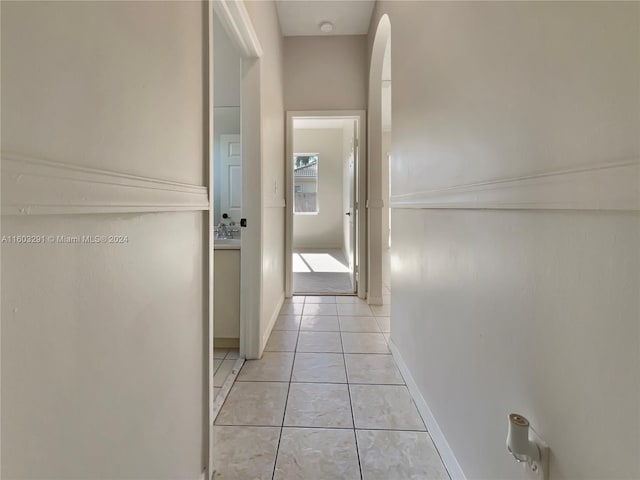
(33, 186)
(605, 186)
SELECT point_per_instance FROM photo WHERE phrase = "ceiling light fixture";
(326, 27)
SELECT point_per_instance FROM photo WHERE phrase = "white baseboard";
(272, 322)
(447, 455)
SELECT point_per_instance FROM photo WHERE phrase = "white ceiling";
(303, 17)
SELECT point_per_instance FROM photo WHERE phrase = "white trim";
(225, 389)
(36, 186)
(236, 21)
(361, 183)
(209, 322)
(272, 322)
(603, 186)
(439, 440)
(253, 201)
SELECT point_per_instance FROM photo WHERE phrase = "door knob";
(348, 213)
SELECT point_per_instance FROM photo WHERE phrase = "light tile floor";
(326, 402)
(223, 361)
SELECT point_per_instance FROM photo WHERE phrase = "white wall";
(532, 311)
(226, 68)
(325, 73)
(323, 230)
(264, 17)
(103, 345)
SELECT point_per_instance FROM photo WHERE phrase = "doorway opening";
(227, 211)
(323, 172)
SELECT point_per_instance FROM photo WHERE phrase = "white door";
(349, 196)
(231, 178)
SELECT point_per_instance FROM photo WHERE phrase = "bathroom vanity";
(226, 293)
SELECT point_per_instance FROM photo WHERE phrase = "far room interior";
(323, 165)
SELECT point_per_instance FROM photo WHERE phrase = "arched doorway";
(378, 171)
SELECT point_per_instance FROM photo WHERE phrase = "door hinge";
(356, 143)
(243, 222)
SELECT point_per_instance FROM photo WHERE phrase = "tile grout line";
(284, 413)
(353, 419)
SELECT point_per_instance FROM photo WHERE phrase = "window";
(305, 178)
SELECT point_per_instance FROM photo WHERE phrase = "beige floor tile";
(381, 310)
(318, 405)
(350, 299)
(223, 371)
(244, 452)
(364, 343)
(388, 407)
(317, 454)
(272, 367)
(287, 322)
(373, 369)
(292, 309)
(319, 367)
(319, 342)
(406, 454)
(320, 299)
(216, 391)
(281, 341)
(220, 353)
(320, 323)
(359, 324)
(354, 309)
(384, 323)
(254, 403)
(294, 299)
(312, 309)
(232, 353)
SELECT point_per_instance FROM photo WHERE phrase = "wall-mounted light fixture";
(526, 447)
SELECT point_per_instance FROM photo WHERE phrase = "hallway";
(326, 401)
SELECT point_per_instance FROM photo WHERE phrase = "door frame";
(360, 255)
(235, 19)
